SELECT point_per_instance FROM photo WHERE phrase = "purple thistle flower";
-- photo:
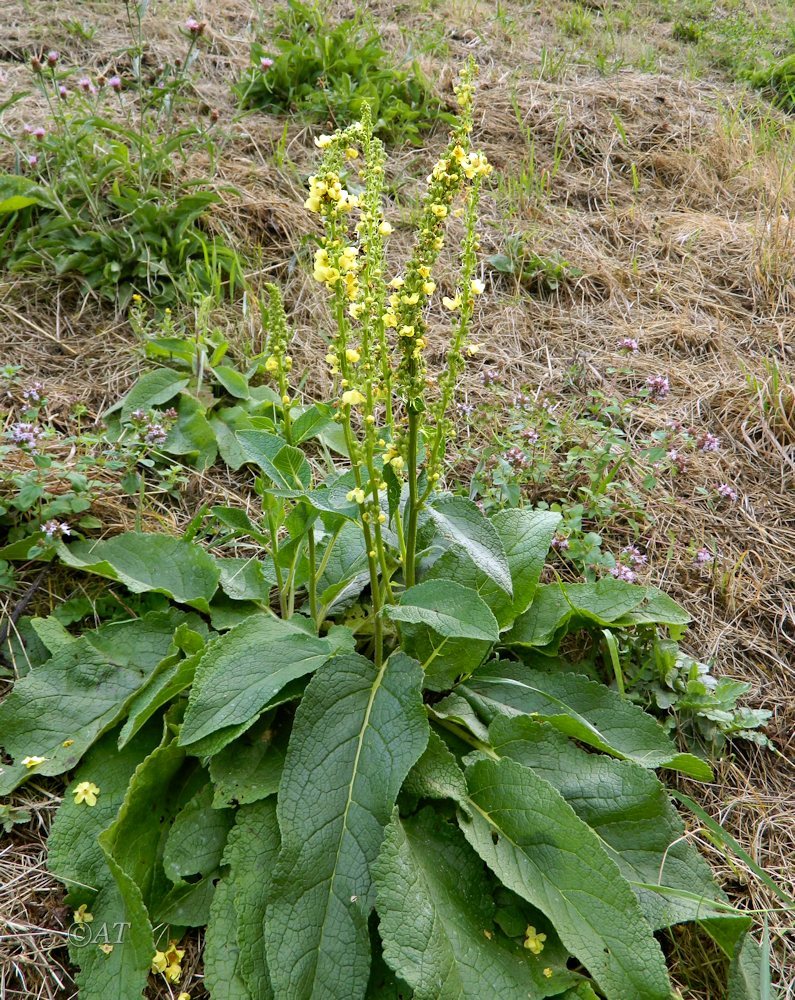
(115, 83)
(628, 344)
(63, 92)
(709, 442)
(658, 386)
(86, 85)
(195, 27)
(727, 492)
(265, 64)
(53, 57)
(624, 573)
(33, 160)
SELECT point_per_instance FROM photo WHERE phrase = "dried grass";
(684, 236)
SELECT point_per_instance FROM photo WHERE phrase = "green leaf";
(460, 522)
(251, 853)
(556, 604)
(526, 536)
(357, 732)
(234, 383)
(172, 676)
(244, 669)
(534, 843)
(196, 840)
(154, 563)
(629, 809)
(285, 465)
(151, 389)
(247, 579)
(436, 775)
(192, 435)
(436, 919)
(446, 626)
(222, 973)
(582, 709)
(250, 767)
(657, 609)
(313, 421)
(61, 707)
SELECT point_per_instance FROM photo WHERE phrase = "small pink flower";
(658, 386)
(195, 27)
(624, 573)
(709, 442)
(33, 160)
(628, 344)
(703, 557)
(727, 492)
(86, 85)
(561, 544)
(265, 64)
(63, 92)
(115, 83)
(53, 57)
(635, 556)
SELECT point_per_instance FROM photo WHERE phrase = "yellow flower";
(396, 463)
(534, 941)
(411, 300)
(440, 211)
(477, 286)
(397, 283)
(81, 915)
(272, 363)
(67, 743)
(385, 229)
(353, 355)
(424, 271)
(451, 304)
(174, 973)
(548, 972)
(355, 309)
(312, 203)
(351, 153)
(174, 955)
(159, 963)
(33, 761)
(473, 349)
(107, 948)
(389, 319)
(407, 331)
(355, 496)
(86, 792)
(352, 397)
(136, 298)
(323, 140)
(184, 996)
(429, 287)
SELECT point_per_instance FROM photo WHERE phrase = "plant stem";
(411, 526)
(312, 575)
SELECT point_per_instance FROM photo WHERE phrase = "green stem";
(312, 575)
(414, 502)
(276, 567)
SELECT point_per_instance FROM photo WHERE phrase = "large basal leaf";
(436, 775)
(196, 840)
(152, 389)
(582, 709)
(631, 812)
(357, 732)
(62, 706)
(250, 768)
(461, 522)
(251, 853)
(244, 669)
(436, 920)
(535, 844)
(222, 973)
(150, 562)
(449, 628)
(285, 465)
(555, 604)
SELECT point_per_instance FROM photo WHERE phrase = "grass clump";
(326, 71)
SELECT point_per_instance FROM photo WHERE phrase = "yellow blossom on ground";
(184, 996)
(159, 963)
(107, 948)
(478, 286)
(86, 792)
(451, 304)
(429, 287)
(352, 397)
(33, 761)
(353, 355)
(81, 915)
(385, 229)
(534, 941)
(473, 349)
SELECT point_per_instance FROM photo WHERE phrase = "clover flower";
(86, 792)
(624, 573)
(32, 761)
(534, 941)
(628, 344)
(727, 492)
(708, 442)
(658, 386)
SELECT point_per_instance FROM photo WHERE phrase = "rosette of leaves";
(473, 817)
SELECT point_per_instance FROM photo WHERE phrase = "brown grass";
(684, 235)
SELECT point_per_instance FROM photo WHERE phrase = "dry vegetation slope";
(682, 227)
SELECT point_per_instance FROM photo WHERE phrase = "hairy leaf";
(357, 732)
(460, 522)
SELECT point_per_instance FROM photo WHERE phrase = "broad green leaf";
(449, 628)
(436, 920)
(234, 383)
(251, 853)
(192, 434)
(357, 732)
(222, 973)
(73, 853)
(196, 840)
(582, 709)
(247, 579)
(535, 844)
(526, 536)
(460, 522)
(173, 676)
(630, 811)
(245, 668)
(51, 633)
(313, 421)
(250, 767)
(556, 604)
(285, 465)
(657, 609)
(149, 562)
(151, 389)
(62, 706)
(436, 775)
(749, 973)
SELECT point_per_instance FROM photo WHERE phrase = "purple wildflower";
(33, 160)
(703, 557)
(155, 434)
(489, 376)
(624, 573)
(658, 386)
(635, 556)
(628, 344)
(265, 64)
(86, 85)
(561, 544)
(195, 27)
(138, 416)
(727, 492)
(516, 458)
(530, 435)
(33, 393)
(115, 83)
(25, 435)
(63, 92)
(55, 528)
(53, 57)
(709, 442)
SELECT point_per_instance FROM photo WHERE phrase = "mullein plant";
(394, 436)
